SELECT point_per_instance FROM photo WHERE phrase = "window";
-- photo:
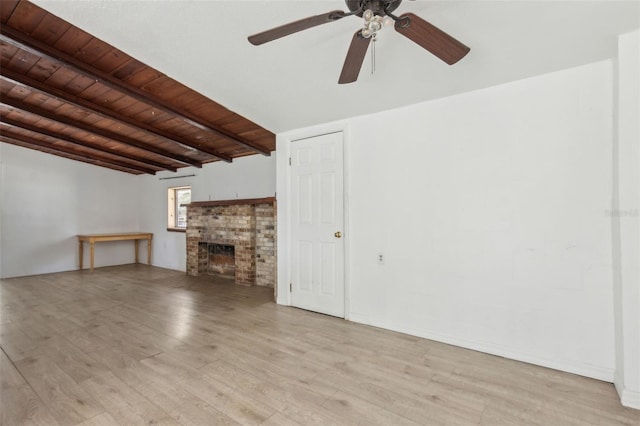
(177, 211)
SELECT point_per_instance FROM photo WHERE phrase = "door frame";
(283, 195)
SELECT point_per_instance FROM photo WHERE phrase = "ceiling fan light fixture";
(368, 15)
(375, 25)
(372, 23)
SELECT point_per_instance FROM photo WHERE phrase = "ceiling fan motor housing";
(377, 6)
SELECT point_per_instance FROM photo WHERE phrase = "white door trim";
(283, 191)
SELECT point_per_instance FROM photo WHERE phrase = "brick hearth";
(248, 225)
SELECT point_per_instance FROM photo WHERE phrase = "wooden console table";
(98, 238)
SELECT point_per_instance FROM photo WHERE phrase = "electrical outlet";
(380, 258)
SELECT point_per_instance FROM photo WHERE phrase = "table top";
(116, 236)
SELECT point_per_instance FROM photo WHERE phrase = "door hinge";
(289, 160)
(290, 287)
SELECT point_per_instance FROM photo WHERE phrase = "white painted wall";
(247, 177)
(48, 200)
(626, 221)
(490, 208)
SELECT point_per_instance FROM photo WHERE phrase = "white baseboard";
(628, 398)
(360, 319)
(591, 371)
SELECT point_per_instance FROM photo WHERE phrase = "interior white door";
(317, 219)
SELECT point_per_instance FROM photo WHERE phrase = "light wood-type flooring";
(136, 344)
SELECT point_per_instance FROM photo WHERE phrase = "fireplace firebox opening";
(221, 260)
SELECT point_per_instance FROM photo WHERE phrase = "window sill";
(183, 230)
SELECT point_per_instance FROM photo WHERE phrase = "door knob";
(338, 234)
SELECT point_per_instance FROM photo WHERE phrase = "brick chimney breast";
(248, 225)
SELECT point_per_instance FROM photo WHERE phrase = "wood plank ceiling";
(67, 93)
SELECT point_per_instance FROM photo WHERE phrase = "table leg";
(80, 252)
(135, 243)
(92, 251)
(149, 251)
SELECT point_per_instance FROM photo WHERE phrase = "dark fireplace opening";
(221, 260)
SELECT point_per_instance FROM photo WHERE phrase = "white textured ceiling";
(292, 82)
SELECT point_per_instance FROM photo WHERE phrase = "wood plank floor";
(136, 344)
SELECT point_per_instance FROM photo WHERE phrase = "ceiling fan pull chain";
(373, 53)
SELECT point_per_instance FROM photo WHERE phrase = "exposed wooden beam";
(29, 44)
(6, 9)
(78, 102)
(68, 153)
(11, 123)
(31, 109)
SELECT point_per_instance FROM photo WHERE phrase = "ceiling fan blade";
(355, 58)
(294, 27)
(431, 38)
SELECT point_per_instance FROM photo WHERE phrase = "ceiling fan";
(376, 14)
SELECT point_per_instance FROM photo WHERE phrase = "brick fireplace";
(234, 238)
